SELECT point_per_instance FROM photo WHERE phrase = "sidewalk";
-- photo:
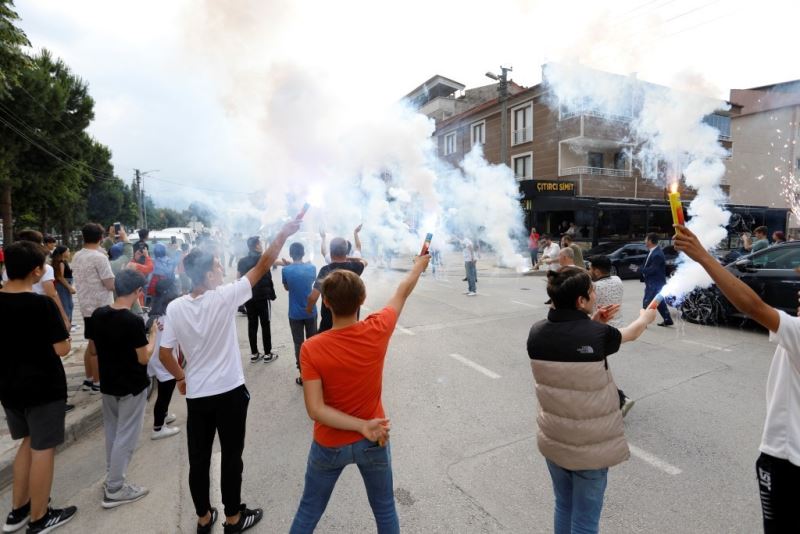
(86, 416)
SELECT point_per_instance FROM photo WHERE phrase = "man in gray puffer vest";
(580, 423)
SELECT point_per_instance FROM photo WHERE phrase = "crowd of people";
(172, 316)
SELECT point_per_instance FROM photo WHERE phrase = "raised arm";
(271, 254)
(356, 239)
(737, 292)
(408, 284)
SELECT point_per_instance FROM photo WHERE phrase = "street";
(459, 391)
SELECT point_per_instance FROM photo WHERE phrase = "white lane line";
(216, 472)
(656, 462)
(405, 330)
(524, 304)
(470, 363)
(713, 347)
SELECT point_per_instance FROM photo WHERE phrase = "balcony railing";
(725, 137)
(523, 135)
(595, 113)
(597, 171)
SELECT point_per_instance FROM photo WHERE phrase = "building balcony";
(595, 113)
(596, 171)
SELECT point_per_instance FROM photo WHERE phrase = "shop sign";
(553, 187)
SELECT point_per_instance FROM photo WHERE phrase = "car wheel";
(702, 306)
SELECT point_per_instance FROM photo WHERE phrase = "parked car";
(770, 272)
(628, 259)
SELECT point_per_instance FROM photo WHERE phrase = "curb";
(85, 419)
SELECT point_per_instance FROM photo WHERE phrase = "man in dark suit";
(654, 276)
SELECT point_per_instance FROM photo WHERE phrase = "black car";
(769, 272)
(628, 259)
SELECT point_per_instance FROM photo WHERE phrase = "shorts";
(88, 328)
(44, 424)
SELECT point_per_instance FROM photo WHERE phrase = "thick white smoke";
(314, 135)
(669, 140)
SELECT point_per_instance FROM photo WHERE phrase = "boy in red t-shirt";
(342, 381)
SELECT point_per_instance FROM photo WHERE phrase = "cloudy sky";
(203, 91)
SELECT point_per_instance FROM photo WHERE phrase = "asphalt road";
(459, 391)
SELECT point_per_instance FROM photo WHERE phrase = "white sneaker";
(126, 494)
(471, 294)
(170, 418)
(165, 432)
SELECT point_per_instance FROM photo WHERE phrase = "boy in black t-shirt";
(123, 350)
(33, 387)
(339, 260)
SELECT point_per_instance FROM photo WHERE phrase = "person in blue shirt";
(298, 279)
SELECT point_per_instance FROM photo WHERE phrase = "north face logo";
(586, 349)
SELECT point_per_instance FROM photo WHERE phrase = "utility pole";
(140, 200)
(502, 92)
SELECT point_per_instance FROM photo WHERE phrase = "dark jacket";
(580, 423)
(264, 289)
(654, 270)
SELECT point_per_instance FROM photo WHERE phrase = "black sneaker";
(86, 386)
(69, 407)
(53, 519)
(270, 357)
(206, 529)
(247, 518)
(18, 518)
(255, 357)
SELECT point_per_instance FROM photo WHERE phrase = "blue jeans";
(66, 299)
(579, 499)
(325, 464)
(472, 274)
(650, 293)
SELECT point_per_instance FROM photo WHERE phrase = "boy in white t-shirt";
(203, 324)
(778, 467)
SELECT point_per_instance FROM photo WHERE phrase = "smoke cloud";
(669, 140)
(317, 135)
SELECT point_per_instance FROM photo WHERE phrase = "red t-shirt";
(349, 361)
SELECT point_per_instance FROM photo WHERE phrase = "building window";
(522, 124)
(523, 166)
(620, 161)
(478, 133)
(596, 160)
(722, 123)
(450, 144)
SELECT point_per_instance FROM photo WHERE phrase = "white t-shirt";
(205, 329)
(469, 250)
(154, 366)
(781, 437)
(89, 268)
(551, 252)
(609, 290)
(48, 276)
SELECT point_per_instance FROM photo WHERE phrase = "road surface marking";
(656, 462)
(525, 304)
(405, 330)
(714, 347)
(470, 363)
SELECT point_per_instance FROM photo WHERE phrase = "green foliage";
(12, 39)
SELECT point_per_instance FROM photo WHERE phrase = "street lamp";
(502, 92)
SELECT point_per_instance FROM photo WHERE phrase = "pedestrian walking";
(298, 279)
(123, 351)
(33, 388)
(342, 382)
(203, 325)
(59, 260)
(549, 253)
(259, 307)
(654, 276)
(533, 246)
(470, 266)
(580, 425)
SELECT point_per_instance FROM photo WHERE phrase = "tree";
(200, 212)
(12, 61)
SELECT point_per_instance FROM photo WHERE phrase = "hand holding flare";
(676, 207)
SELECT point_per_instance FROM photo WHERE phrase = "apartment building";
(572, 166)
(766, 134)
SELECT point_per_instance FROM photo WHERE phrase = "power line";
(199, 187)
